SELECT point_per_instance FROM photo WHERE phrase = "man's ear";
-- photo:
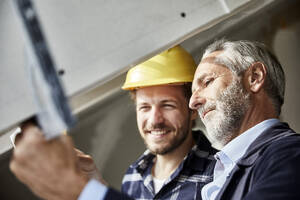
(256, 76)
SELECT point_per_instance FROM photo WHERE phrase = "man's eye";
(208, 81)
(143, 108)
(168, 106)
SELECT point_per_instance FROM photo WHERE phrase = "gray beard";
(231, 106)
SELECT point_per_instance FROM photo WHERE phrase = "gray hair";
(238, 56)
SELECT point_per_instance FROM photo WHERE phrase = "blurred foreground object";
(54, 115)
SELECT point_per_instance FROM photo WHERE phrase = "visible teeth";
(158, 132)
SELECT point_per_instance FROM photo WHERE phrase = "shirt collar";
(236, 148)
(192, 160)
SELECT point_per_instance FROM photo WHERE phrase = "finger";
(86, 164)
(83, 156)
(26, 150)
(79, 152)
(17, 136)
(32, 138)
(19, 132)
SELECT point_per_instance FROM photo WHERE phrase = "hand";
(48, 167)
(87, 166)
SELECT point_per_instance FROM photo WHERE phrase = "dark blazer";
(269, 170)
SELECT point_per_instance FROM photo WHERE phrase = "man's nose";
(196, 101)
(156, 116)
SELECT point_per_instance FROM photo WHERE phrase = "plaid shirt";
(186, 182)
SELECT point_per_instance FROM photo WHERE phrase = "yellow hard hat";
(172, 66)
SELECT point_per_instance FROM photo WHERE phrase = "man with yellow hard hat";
(173, 166)
(176, 165)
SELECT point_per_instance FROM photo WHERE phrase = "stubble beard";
(173, 144)
(231, 106)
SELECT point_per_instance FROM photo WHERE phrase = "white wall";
(108, 130)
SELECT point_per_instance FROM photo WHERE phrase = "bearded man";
(178, 162)
(238, 90)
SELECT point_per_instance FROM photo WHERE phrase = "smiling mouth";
(158, 132)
